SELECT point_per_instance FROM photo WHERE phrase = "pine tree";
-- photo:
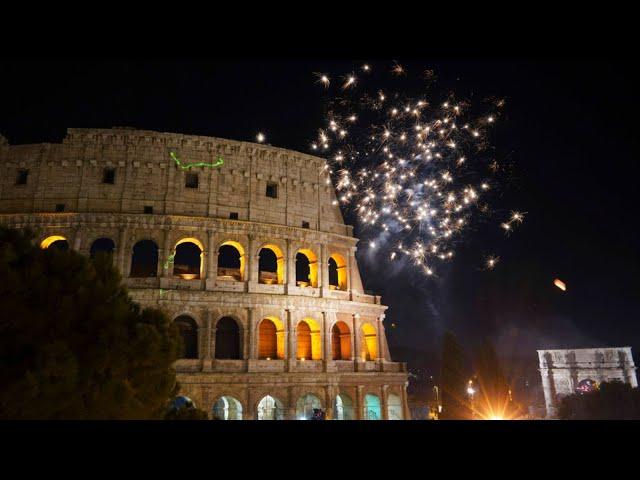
(493, 399)
(72, 342)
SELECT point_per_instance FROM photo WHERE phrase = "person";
(318, 414)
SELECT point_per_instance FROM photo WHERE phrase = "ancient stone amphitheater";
(244, 247)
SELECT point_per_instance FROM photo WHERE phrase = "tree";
(453, 380)
(186, 413)
(493, 399)
(611, 401)
(73, 344)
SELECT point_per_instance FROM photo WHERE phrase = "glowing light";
(260, 137)
(186, 166)
(560, 284)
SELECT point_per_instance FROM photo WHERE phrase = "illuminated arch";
(271, 339)
(341, 341)
(187, 259)
(188, 329)
(102, 244)
(49, 241)
(230, 266)
(305, 406)
(144, 259)
(308, 340)
(337, 272)
(227, 339)
(372, 410)
(343, 408)
(306, 268)
(394, 407)
(270, 408)
(227, 408)
(266, 274)
(370, 342)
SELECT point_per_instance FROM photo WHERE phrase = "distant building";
(565, 372)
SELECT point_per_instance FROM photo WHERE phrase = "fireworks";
(414, 168)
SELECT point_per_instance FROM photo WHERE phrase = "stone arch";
(394, 407)
(343, 408)
(102, 245)
(308, 340)
(227, 408)
(371, 408)
(270, 264)
(340, 341)
(337, 272)
(305, 406)
(228, 340)
(306, 268)
(188, 329)
(56, 241)
(270, 339)
(369, 342)
(269, 408)
(144, 259)
(187, 259)
(231, 260)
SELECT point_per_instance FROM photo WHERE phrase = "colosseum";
(243, 245)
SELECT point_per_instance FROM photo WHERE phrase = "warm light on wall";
(46, 243)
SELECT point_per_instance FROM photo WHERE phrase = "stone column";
(290, 266)
(290, 339)
(250, 343)
(163, 256)
(359, 402)
(122, 251)
(211, 261)
(351, 262)
(406, 413)
(326, 339)
(380, 330)
(323, 271)
(77, 238)
(384, 402)
(211, 336)
(253, 261)
(355, 338)
(328, 399)
(549, 394)
(208, 349)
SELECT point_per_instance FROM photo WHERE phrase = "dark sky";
(569, 128)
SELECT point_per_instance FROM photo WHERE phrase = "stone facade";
(261, 198)
(562, 371)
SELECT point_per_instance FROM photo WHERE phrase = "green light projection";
(187, 166)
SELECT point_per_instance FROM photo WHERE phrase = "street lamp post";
(471, 392)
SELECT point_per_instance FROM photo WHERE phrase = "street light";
(471, 391)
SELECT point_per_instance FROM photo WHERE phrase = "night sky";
(569, 128)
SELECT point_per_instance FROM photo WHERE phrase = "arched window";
(372, 410)
(55, 241)
(189, 333)
(270, 265)
(305, 406)
(394, 407)
(231, 261)
(343, 409)
(270, 408)
(370, 342)
(337, 272)
(144, 262)
(227, 408)
(341, 341)
(227, 339)
(187, 260)
(306, 269)
(271, 339)
(309, 345)
(102, 245)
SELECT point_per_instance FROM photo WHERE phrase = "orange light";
(560, 284)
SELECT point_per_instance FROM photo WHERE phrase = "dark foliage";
(73, 345)
(612, 401)
(453, 380)
(186, 413)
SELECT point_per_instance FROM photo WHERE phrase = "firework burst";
(416, 169)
